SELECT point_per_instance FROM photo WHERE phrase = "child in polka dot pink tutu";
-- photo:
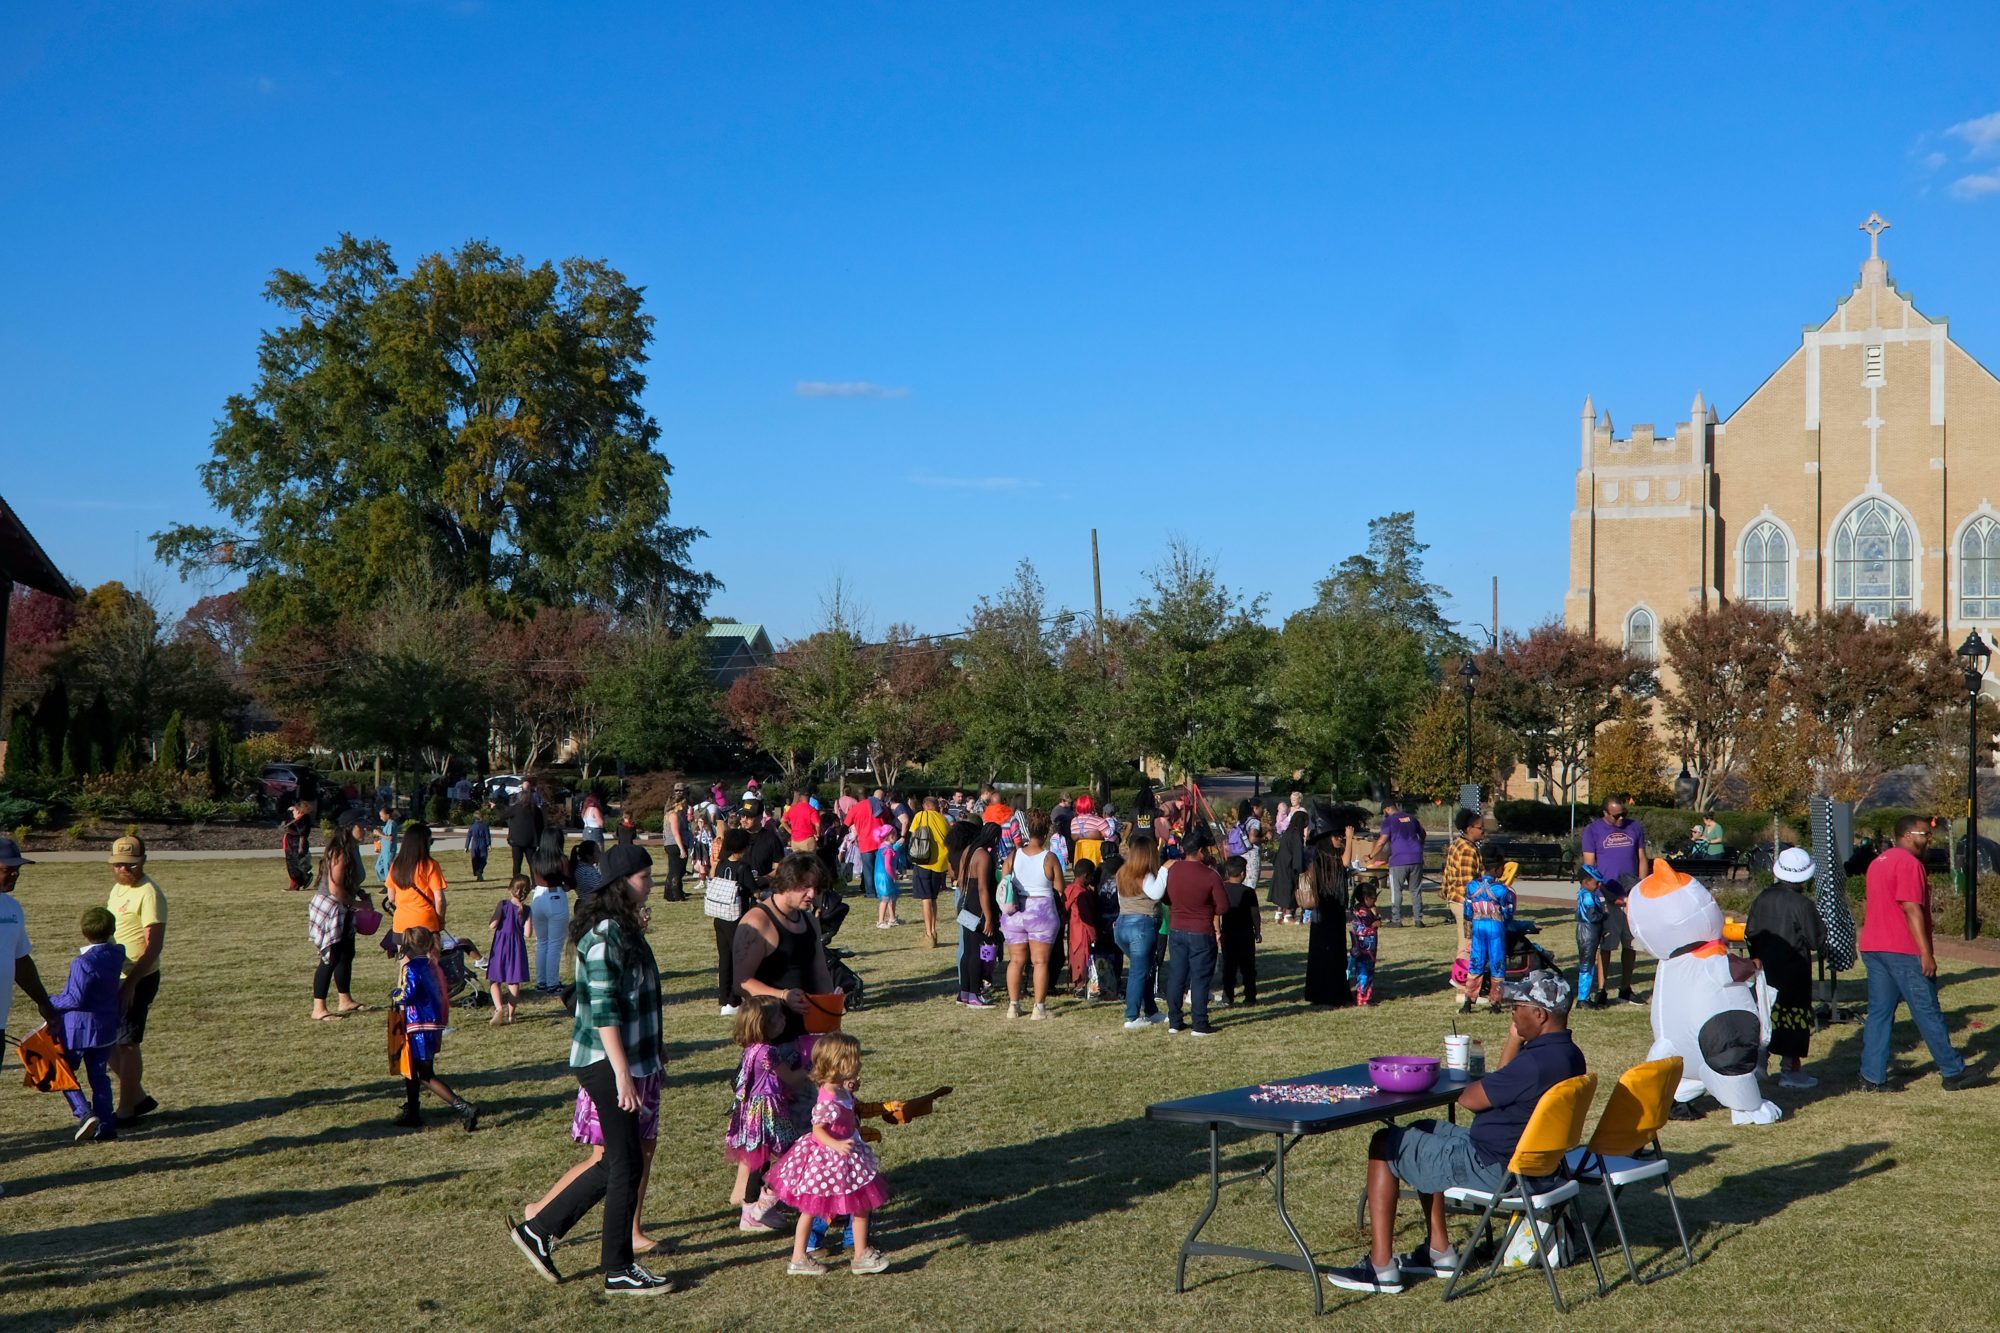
(830, 1171)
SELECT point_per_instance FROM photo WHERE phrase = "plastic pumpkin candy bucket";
(823, 1012)
(367, 921)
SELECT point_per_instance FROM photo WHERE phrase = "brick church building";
(1864, 472)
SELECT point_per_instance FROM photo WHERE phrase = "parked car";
(285, 783)
(502, 788)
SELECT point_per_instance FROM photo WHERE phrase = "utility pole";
(1103, 667)
(1495, 622)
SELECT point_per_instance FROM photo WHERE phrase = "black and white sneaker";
(1426, 1262)
(636, 1281)
(1365, 1277)
(539, 1249)
(87, 1129)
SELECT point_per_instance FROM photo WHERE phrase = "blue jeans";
(1190, 969)
(1894, 979)
(1135, 936)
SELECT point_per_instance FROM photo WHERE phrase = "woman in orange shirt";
(415, 883)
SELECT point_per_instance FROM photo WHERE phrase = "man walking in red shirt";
(1902, 967)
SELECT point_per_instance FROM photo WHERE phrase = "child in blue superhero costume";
(1592, 907)
(1489, 906)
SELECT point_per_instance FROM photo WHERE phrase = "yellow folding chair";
(1630, 1126)
(1555, 1130)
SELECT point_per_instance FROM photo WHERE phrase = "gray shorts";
(1431, 1156)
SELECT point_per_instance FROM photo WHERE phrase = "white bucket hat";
(1795, 866)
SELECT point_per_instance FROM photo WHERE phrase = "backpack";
(923, 845)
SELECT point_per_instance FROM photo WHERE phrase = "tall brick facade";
(1864, 471)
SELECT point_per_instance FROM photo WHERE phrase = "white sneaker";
(1041, 1011)
(728, 1011)
(1797, 1079)
(1013, 1009)
(1138, 1023)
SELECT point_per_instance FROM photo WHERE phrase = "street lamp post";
(1468, 675)
(1973, 657)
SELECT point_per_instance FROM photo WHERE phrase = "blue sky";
(1248, 274)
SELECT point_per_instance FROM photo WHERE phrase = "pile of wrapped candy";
(1312, 1094)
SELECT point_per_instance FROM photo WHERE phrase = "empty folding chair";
(1629, 1126)
(1537, 1187)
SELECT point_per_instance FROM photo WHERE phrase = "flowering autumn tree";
(1553, 689)
(1728, 663)
(908, 713)
(1867, 697)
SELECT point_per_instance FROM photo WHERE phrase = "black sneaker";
(468, 1115)
(1868, 1086)
(1363, 1277)
(1961, 1081)
(1426, 1262)
(410, 1118)
(144, 1107)
(1684, 1111)
(86, 1129)
(539, 1249)
(636, 1281)
(1627, 997)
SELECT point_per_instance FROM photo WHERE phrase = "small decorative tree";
(173, 744)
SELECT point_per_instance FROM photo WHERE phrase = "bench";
(1705, 867)
(1537, 859)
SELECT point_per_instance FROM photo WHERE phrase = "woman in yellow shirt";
(415, 883)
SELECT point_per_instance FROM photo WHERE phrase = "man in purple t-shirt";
(1617, 847)
(1402, 839)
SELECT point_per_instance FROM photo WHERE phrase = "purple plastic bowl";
(1403, 1073)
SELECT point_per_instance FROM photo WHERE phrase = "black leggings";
(519, 854)
(677, 864)
(725, 962)
(614, 1178)
(337, 968)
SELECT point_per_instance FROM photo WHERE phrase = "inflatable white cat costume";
(1702, 1012)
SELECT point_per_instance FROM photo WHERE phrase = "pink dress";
(818, 1181)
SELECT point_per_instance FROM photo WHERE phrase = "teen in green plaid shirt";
(615, 1051)
(617, 986)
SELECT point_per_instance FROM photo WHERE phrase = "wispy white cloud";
(1934, 160)
(846, 389)
(1980, 135)
(935, 482)
(1976, 186)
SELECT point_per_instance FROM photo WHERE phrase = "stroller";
(832, 911)
(1523, 954)
(457, 958)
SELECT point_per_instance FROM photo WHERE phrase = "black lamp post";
(1973, 657)
(1468, 676)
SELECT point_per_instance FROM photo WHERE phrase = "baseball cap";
(623, 861)
(1794, 866)
(10, 854)
(1541, 988)
(128, 852)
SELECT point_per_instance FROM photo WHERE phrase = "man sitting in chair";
(1432, 1156)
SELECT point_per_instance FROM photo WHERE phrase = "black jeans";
(520, 854)
(725, 963)
(614, 1179)
(337, 969)
(1190, 969)
(1239, 963)
(677, 864)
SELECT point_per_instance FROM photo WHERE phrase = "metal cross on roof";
(1874, 226)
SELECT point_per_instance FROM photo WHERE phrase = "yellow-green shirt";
(935, 822)
(135, 907)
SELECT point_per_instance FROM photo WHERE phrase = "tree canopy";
(476, 421)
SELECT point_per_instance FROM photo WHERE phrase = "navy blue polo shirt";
(1516, 1086)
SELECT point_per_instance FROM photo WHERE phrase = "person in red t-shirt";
(866, 826)
(802, 824)
(1902, 966)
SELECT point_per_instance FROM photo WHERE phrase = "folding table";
(1287, 1123)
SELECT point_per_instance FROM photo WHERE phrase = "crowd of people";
(1154, 910)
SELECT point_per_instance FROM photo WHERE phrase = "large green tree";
(1346, 685)
(1195, 660)
(651, 696)
(1387, 582)
(1012, 710)
(476, 421)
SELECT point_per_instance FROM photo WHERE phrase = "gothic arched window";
(1979, 571)
(1641, 634)
(1767, 568)
(1874, 571)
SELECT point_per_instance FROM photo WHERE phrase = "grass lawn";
(271, 1192)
